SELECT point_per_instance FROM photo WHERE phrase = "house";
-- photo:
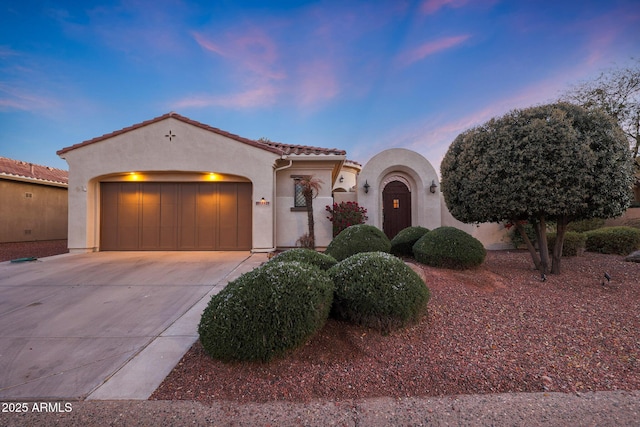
(33, 202)
(172, 183)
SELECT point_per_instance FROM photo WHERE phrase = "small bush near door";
(402, 243)
(357, 239)
(378, 290)
(449, 247)
(266, 312)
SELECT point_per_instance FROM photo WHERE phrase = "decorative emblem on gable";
(170, 135)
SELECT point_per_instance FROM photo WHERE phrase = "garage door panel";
(109, 224)
(176, 216)
(228, 216)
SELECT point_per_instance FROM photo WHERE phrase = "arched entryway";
(396, 208)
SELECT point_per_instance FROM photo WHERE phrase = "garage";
(170, 216)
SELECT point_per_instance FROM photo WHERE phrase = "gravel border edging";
(615, 408)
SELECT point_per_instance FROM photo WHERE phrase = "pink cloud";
(251, 98)
(416, 54)
(317, 82)
(14, 98)
(250, 52)
(429, 7)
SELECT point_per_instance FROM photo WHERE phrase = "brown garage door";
(170, 216)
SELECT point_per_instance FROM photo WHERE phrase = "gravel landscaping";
(10, 251)
(496, 329)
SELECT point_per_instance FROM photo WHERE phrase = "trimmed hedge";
(266, 312)
(378, 290)
(585, 225)
(613, 240)
(356, 239)
(449, 247)
(309, 256)
(574, 243)
(402, 243)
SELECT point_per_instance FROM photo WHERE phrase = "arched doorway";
(396, 208)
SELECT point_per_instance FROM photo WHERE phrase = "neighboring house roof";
(278, 148)
(25, 171)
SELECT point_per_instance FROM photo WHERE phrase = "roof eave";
(33, 180)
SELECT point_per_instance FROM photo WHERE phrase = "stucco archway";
(410, 168)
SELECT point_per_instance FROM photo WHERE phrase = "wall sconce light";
(262, 202)
(366, 186)
(341, 178)
(433, 186)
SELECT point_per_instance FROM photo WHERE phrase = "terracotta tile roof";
(19, 169)
(282, 149)
(287, 149)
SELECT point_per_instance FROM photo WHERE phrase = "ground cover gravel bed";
(44, 248)
(496, 329)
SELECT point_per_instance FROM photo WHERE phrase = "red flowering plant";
(345, 214)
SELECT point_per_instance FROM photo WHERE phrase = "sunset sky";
(357, 75)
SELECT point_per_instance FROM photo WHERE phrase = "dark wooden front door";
(172, 216)
(396, 206)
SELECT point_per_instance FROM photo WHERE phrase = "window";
(298, 198)
(396, 203)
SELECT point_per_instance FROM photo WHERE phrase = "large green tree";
(557, 162)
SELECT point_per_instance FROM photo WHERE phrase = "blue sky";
(357, 75)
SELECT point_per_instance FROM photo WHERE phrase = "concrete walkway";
(107, 325)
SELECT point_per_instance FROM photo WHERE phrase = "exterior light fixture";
(366, 186)
(341, 178)
(262, 202)
(433, 186)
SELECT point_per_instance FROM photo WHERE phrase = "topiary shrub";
(449, 247)
(308, 256)
(356, 239)
(585, 225)
(266, 312)
(574, 243)
(378, 290)
(402, 243)
(613, 240)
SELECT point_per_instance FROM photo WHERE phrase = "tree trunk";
(310, 221)
(541, 233)
(532, 250)
(557, 247)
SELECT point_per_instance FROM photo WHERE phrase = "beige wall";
(291, 224)
(42, 216)
(193, 150)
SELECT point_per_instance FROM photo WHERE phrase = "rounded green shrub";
(378, 290)
(449, 247)
(585, 225)
(402, 243)
(309, 256)
(613, 240)
(574, 243)
(356, 239)
(266, 312)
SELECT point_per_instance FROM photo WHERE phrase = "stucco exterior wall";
(415, 170)
(291, 224)
(30, 212)
(191, 149)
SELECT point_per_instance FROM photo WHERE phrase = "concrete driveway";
(70, 324)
